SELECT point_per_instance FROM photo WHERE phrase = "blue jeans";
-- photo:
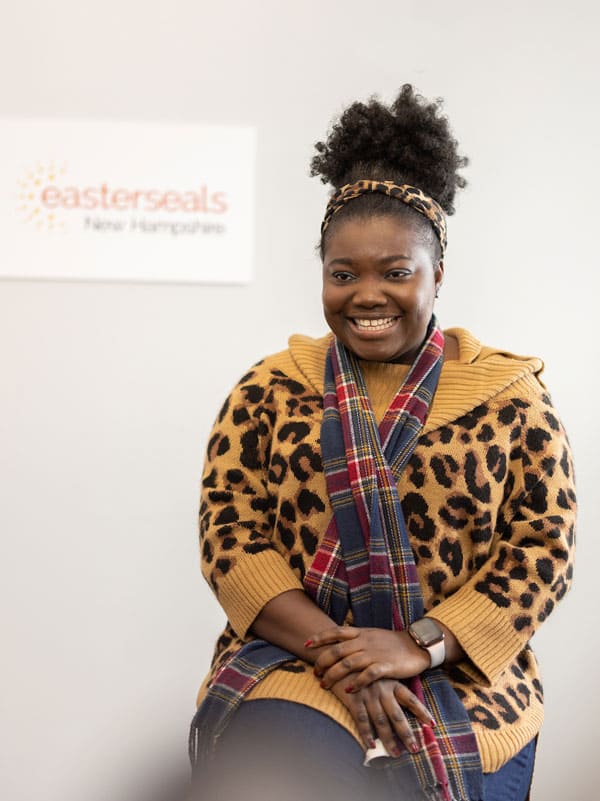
(513, 780)
(281, 751)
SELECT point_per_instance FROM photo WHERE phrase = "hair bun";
(409, 141)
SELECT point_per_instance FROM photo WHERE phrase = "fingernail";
(414, 747)
(432, 723)
(372, 744)
(317, 673)
(349, 688)
(323, 685)
(396, 751)
(308, 643)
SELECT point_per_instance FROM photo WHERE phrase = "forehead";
(374, 238)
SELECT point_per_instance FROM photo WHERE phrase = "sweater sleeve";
(530, 567)
(238, 558)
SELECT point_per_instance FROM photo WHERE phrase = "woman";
(387, 515)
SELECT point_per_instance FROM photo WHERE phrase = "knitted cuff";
(484, 630)
(250, 584)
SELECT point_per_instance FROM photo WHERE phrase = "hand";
(378, 711)
(369, 653)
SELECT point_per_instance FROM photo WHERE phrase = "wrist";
(454, 651)
(420, 659)
(429, 637)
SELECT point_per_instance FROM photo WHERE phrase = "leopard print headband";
(407, 194)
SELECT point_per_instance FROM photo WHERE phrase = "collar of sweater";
(479, 373)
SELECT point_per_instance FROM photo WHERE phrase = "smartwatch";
(429, 635)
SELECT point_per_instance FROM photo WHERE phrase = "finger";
(383, 724)
(334, 653)
(363, 724)
(401, 725)
(372, 672)
(409, 700)
(329, 636)
(352, 663)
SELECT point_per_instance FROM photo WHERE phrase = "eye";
(342, 276)
(398, 273)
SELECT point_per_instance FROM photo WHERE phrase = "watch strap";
(437, 652)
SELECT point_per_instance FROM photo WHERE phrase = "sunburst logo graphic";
(30, 205)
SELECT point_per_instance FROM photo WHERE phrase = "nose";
(369, 292)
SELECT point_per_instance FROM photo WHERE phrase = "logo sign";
(107, 201)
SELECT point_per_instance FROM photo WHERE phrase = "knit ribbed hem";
(304, 688)
(483, 629)
(300, 688)
(251, 584)
(496, 748)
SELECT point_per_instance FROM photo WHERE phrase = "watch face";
(428, 631)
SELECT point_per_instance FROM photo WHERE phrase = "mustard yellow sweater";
(488, 498)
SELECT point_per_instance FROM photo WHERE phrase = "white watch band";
(437, 653)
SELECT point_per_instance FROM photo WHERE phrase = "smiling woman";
(387, 516)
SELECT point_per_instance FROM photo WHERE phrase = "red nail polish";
(372, 744)
(308, 643)
(414, 748)
(350, 688)
(432, 723)
(323, 685)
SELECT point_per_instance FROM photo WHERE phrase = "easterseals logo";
(30, 205)
(50, 201)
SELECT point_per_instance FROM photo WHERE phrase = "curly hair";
(408, 142)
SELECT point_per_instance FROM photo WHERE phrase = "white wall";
(108, 391)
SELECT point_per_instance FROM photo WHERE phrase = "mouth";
(372, 325)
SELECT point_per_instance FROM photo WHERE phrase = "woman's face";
(379, 285)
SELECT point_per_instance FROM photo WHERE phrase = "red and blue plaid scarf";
(365, 560)
(365, 563)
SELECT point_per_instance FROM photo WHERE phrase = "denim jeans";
(512, 781)
(281, 751)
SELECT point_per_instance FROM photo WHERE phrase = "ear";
(439, 276)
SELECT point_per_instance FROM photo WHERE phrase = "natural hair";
(407, 142)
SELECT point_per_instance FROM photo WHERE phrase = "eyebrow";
(346, 261)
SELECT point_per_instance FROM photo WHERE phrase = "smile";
(369, 324)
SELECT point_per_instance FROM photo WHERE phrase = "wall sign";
(112, 201)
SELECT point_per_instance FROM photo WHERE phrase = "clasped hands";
(363, 667)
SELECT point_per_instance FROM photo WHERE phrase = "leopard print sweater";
(489, 502)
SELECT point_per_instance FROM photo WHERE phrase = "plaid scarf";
(369, 568)
(365, 557)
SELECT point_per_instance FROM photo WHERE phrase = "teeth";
(378, 325)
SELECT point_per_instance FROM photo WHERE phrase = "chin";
(374, 352)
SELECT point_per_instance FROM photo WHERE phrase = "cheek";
(424, 299)
(328, 310)
(417, 305)
(425, 305)
(332, 300)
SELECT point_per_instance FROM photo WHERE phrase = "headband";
(410, 195)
